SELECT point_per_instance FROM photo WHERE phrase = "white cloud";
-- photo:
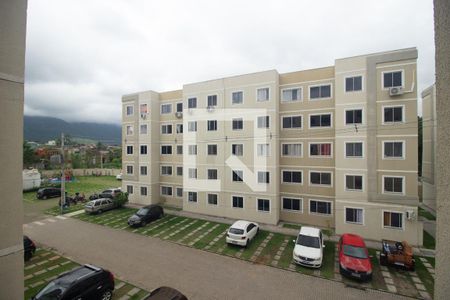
(81, 58)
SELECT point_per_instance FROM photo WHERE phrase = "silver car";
(99, 206)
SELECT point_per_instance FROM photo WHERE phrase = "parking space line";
(201, 236)
(280, 252)
(261, 247)
(171, 227)
(180, 229)
(215, 240)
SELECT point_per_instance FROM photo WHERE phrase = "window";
(353, 116)
(130, 130)
(354, 215)
(264, 122)
(322, 91)
(238, 175)
(354, 149)
(166, 108)
(180, 149)
(392, 79)
(237, 97)
(143, 129)
(143, 149)
(179, 171)
(192, 103)
(292, 176)
(179, 128)
(166, 170)
(166, 149)
(192, 126)
(212, 100)
(292, 122)
(292, 150)
(320, 120)
(143, 191)
(290, 95)
(130, 170)
(238, 202)
(393, 184)
(130, 110)
(262, 94)
(212, 149)
(322, 178)
(353, 182)
(320, 207)
(392, 219)
(294, 204)
(179, 192)
(192, 150)
(212, 125)
(353, 84)
(238, 124)
(212, 174)
(129, 150)
(263, 177)
(263, 149)
(143, 170)
(237, 149)
(320, 149)
(166, 190)
(129, 189)
(212, 199)
(180, 107)
(192, 173)
(264, 205)
(143, 109)
(192, 196)
(393, 149)
(166, 129)
(393, 114)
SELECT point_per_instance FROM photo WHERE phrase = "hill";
(43, 129)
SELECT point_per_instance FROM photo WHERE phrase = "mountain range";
(43, 129)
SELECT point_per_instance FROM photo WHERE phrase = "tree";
(120, 199)
(29, 157)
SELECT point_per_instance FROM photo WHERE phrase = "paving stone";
(28, 277)
(51, 278)
(391, 288)
(420, 287)
(40, 272)
(52, 267)
(277, 257)
(257, 253)
(338, 277)
(317, 272)
(416, 279)
(384, 268)
(431, 271)
(65, 263)
(36, 284)
(124, 297)
(42, 262)
(54, 257)
(386, 274)
(279, 252)
(30, 267)
(389, 281)
(134, 291)
(282, 248)
(425, 295)
(423, 259)
(119, 285)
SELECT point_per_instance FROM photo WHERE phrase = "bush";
(120, 199)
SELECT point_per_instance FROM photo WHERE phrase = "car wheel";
(142, 223)
(246, 244)
(100, 211)
(44, 197)
(106, 295)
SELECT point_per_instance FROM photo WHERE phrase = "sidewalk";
(278, 229)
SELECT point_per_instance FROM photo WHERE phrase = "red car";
(354, 259)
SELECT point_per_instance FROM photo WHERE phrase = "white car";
(308, 250)
(119, 176)
(241, 233)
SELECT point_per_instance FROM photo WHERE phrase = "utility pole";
(63, 177)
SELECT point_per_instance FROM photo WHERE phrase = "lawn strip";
(327, 269)
(292, 226)
(286, 257)
(254, 244)
(425, 276)
(377, 277)
(428, 240)
(202, 243)
(186, 230)
(269, 252)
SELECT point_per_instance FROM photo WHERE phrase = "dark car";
(110, 193)
(146, 215)
(28, 248)
(166, 293)
(86, 282)
(45, 193)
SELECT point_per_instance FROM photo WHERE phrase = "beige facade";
(428, 149)
(331, 147)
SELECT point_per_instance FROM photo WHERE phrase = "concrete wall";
(82, 172)
(13, 15)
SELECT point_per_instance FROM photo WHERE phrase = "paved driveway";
(150, 262)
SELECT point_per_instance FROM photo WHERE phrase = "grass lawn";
(292, 226)
(428, 241)
(327, 269)
(426, 214)
(377, 276)
(425, 276)
(46, 265)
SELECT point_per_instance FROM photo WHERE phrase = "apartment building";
(429, 124)
(332, 147)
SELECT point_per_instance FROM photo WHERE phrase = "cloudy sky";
(82, 56)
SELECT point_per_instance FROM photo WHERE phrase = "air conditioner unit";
(144, 116)
(410, 215)
(395, 91)
(210, 108)
(179, 114)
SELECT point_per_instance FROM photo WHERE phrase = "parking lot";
(272, 249)
(47, 265)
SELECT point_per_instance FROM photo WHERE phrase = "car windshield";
(308, 241)
(107, 192)
(236, 231)
(353, 251)
(51, 292)
(142, 212)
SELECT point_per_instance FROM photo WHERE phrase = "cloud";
(81, 59)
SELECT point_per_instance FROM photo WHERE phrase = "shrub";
(120, 199)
